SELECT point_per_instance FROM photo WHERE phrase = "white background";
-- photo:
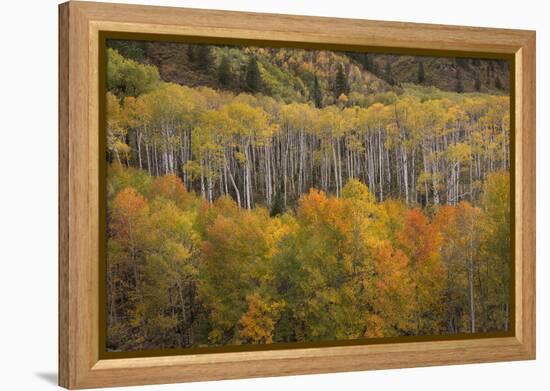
(28, 194)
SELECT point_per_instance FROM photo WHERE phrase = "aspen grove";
(236, 216)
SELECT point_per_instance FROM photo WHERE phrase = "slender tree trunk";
(336, 181)
(471, 284)
(238, 194)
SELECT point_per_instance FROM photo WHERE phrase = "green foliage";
(236, 262)
(316, 93)
(281, 85)
(225, 75)
(498, 83)
(496, 248)
(126, 77)
(278, 205)
(253, 78)
(459, 86)
(191, 53)
(203, 58)
(134, 50)
(341, 84)
(171, 263)
(388, 74)
(288, 74)
(421, 73)
(121, 177)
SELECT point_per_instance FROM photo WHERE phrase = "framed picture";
(247, 195)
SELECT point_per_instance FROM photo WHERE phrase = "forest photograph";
(264, 195)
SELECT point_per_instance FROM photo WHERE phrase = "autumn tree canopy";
(320, 212)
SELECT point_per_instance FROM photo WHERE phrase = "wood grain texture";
(80, 24)
(63, 309)
(525, 120)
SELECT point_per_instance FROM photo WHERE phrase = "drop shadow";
(48, 377)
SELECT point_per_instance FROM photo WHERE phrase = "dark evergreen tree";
(225, 77)
(421, 74)
(462, 62)
(498, 83)
(191, 55)
(368, 63)
(477, 84)
(388, 75)
(129, 49)
(253, 78)
(341, 84)
(317, 94)
(204, 58)
(277, 205)
(375, 68)
(365, 59)
(459, 86)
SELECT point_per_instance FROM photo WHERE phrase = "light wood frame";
(79, 27)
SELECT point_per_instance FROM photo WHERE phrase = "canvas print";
(274, 196)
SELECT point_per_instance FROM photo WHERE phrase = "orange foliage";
(394, 289)
(316, 208)
(128, 211)
(170, 187)
(420, 241)
(419, 238)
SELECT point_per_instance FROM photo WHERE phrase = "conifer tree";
(477, 84)
(341, 84)
(388, 75)
(191, 53)
(498, 83)
(375, 68)
(368, 63)
(459, 86)
(317, 95)
(204, 58)
(278, 205)
(225, 76)
(421, 74)
(253, 78)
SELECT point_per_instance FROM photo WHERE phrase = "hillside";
(290, 75)
(296, 75)
(445, 73)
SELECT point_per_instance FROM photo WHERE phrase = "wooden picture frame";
(80, 25)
